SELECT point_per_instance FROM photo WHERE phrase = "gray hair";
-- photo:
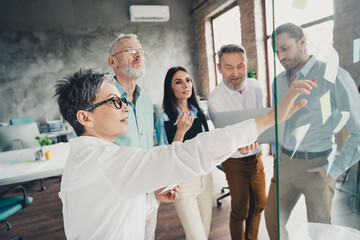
(79, 91)
(120, 37)
(231, 48)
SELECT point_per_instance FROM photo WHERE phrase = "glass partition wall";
(315, 190)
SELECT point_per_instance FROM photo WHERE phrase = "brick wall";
(204, 41)
(253, 39)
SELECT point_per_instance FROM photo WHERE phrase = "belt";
(306, 155)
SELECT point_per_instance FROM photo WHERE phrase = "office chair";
(222, 190)
(21, 120)
(12, 204)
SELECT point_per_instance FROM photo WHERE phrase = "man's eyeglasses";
(115, 100)
(132, 51)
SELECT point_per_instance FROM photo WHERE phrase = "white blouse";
(103, 185)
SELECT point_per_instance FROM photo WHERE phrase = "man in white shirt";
(103, 185)
(244, 170)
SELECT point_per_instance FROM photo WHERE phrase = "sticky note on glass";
(332, 66)
(331, 158)
(300, 4)
(356, 50)
(299, 134)
(345, 117)
(325, 106)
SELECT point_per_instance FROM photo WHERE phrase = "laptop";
(223, 119)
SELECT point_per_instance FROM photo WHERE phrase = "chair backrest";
(12, 204)
(9, 206)
(21, 120)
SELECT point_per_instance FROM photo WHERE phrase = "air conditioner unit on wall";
(149, 13)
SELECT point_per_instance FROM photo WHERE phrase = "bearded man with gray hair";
(244, 169)
(127, 59)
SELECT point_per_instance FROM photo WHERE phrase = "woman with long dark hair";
(194, 205)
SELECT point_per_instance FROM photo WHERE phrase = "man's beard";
(236, 87)
(295, 61)
(133, 73)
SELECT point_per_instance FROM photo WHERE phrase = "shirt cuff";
(151, 202)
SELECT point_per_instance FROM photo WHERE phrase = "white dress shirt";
(103, 185)
(224, 99)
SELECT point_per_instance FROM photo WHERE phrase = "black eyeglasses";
(115, 100)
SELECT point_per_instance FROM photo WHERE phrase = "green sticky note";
(325, 106)
(300, 4)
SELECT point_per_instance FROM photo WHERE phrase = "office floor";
(43, 218)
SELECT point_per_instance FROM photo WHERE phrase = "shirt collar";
(124, 93)
(305, 70)
(193, 110)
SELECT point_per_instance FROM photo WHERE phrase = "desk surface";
(21, 171)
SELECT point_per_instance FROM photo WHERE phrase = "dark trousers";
(246, 179)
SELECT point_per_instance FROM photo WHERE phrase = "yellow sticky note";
(300, 4)
(325, 106)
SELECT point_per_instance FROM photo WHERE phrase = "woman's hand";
(168, 196)
(184, 123)
(249, 148)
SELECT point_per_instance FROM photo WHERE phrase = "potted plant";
(251, 74)
(43, 141)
